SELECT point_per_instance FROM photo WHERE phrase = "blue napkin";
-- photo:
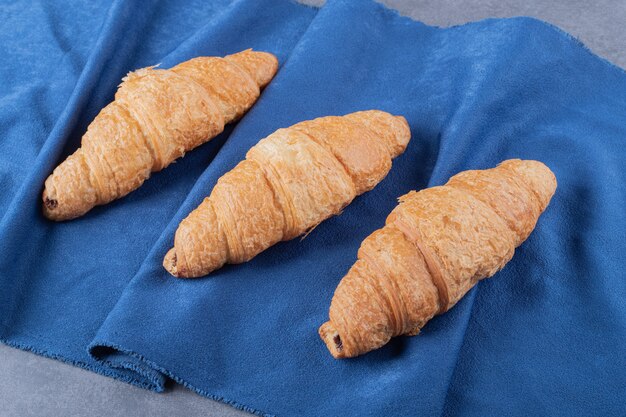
(545, 336)
(61, 64)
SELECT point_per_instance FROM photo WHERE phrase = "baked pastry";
(156, 117)
(435, 246)
(289, 182)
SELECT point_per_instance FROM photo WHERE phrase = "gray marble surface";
(35, 386)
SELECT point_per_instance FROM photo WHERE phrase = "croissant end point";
(333, 341)
(266, 76)
(169, 262)
(403, 134)
(49, 207)
(405, 125)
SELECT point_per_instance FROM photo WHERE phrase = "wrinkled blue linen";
(59, 281)
(545, 336)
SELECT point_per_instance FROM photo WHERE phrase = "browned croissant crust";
(156, 117)
(289, 182)
(435, 246)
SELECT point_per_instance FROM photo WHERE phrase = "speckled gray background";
(34, 386)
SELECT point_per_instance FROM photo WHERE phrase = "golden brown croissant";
(289, 182)
(435, 246)
(156, 117)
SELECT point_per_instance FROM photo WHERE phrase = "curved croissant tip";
(169, 262)
(261, 66)
(405, 128)
(265, 75)
(268, 57)
(50, 206)
(402, 133)
(537, 173)
(333, 341)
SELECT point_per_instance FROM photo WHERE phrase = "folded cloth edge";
(118, 357)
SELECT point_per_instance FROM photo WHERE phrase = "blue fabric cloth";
(545, 336)
(59, 281)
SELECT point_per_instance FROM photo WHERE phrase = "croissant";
(156, 117)
(289, 182)
(435, 246)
